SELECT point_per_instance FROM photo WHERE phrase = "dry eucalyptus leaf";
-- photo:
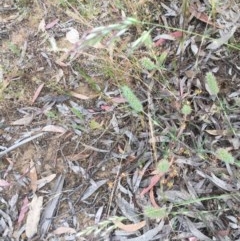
(37, 92)
(218, 132)
(217, 43)
(79, 96)
(98, 215)
(54, 128)
(43, 181)
(26, 120)
(62, 230)
(53, 44)
(23, 211)
(93, 188)
(130, 227)
(4, 183)
(193, 229)
(52, 205)
(149, 235)
(127, 210)
(52, 24)
(41, 26)
(33, 216)
(33, 176)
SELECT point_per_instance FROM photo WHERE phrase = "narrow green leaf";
(76, 112)
(130, 21)
(132, 99)
(145, 39)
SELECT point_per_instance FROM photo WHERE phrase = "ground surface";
(122, 132)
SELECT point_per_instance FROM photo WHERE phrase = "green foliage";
(96, 35)
(101, 227)
(132, 99)
(211, 84)
(24, 3)
(77, 113)
(65, 3)
(152, 212)
(78, 127)
(147, 63)
(163, 166)
(94, 125)
(237, 163)
(223, 155)
(52, 115)
(162, 58)
(186, 109)
(145, 39)
(14, 48)
(102, 31)
(214, 5)
(92, 83)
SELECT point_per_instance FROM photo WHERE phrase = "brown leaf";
(203, 17)
(150, 234)
(23, 210)
(26, 120)
(33, 176)
(62, 64)
(37, 92)
(154, 180)
(62, 230)
(43, 181)
(218, 132)
(161, 41)
(79, 96)
(51, 24)
(130, 227)
(119, 100)
(216, 43)
(152, 199)
(54, 128)
(34, 216)
(106, 108)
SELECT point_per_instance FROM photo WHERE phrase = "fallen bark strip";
(11, 148)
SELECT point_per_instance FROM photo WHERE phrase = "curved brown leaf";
(130, 227)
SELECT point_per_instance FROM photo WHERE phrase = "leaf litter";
(95, 152)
